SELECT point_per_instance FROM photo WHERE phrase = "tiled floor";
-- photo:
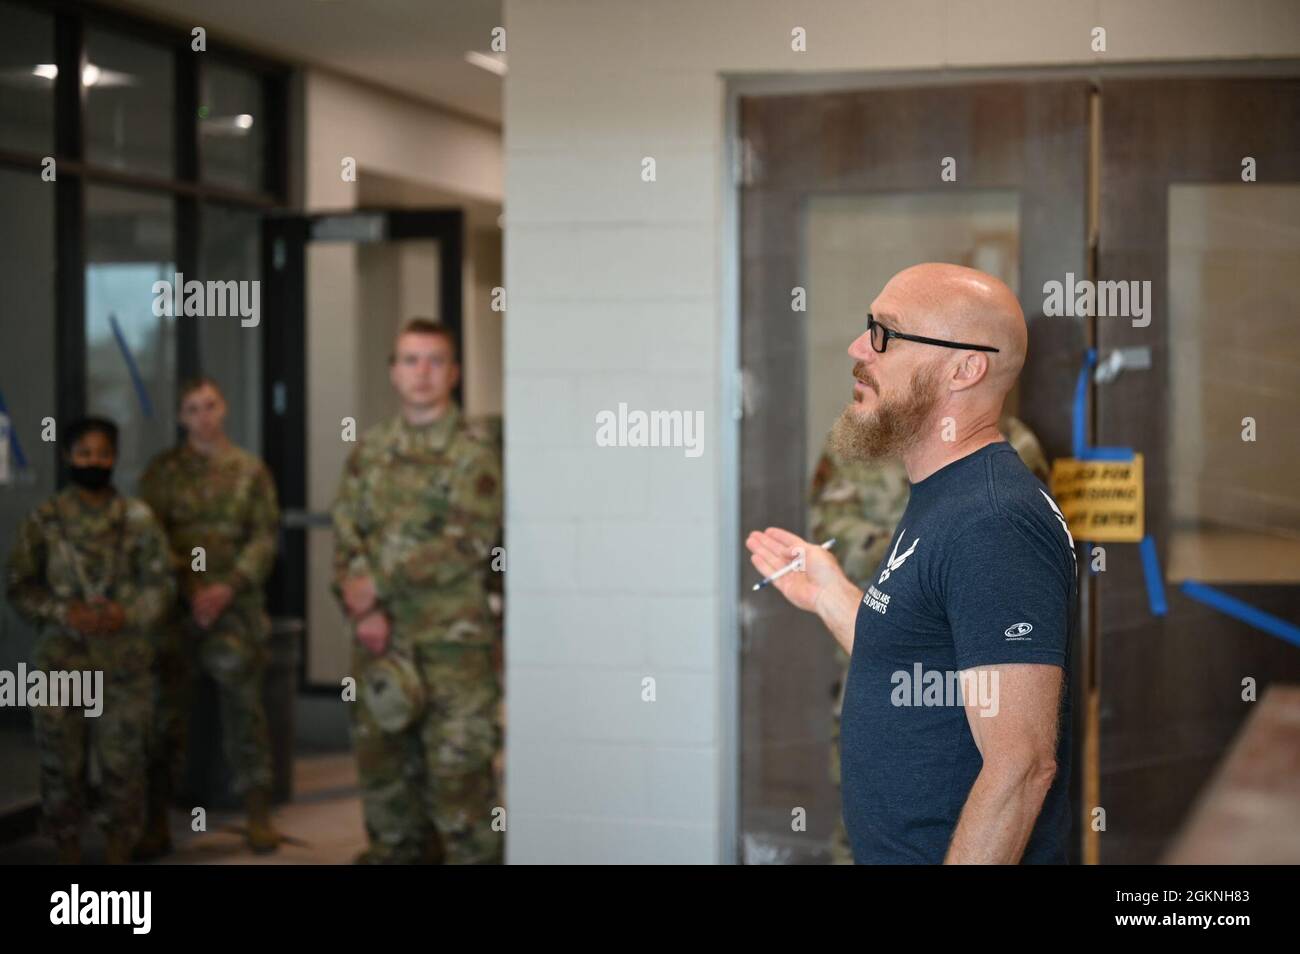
(323, 823)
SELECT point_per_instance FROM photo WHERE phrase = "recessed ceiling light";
(91, 75)
(224, 126)
(493, 64)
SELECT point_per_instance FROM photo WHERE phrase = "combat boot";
(117, 850)
(157, 838)
(69, 849)
(262, 836)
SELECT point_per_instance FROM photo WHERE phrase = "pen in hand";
(796, 563)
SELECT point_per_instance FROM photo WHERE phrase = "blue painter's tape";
(1156, 591)
(1155, 580)
(1079, 413)
(20, 459)
(1243, 611)
(1107, 453)
(141, 393)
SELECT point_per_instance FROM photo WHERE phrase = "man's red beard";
(893, 427)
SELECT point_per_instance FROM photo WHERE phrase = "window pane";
(229, 350)
(129, 96)
(27, 381)
(232, 126)
(1234, 378)
(858, 242)
(26, 79)
(129, 246)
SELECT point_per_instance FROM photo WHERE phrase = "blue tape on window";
(1079, 413)
(1108, 453)
(1079, 428)
(1155, 580)
(141, 393)
(20, 459)
(1248, 614)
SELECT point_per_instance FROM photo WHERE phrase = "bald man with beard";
(954, 737)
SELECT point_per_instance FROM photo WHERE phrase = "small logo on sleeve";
(1020, 631)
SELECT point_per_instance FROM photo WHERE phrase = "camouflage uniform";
(123, 557)
(225, 504)
(418, 511)
(860, 504)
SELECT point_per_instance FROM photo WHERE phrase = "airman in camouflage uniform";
(859, 503)
(217, 504)
(417, 515)
(90, 570)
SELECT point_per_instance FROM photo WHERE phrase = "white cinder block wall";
(621, 560)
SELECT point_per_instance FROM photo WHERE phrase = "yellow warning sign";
(1101, 499)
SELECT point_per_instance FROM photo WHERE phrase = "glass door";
(1200, 198)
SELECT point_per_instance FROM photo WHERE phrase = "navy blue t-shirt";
(981, 571)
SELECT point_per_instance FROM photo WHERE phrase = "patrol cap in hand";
(392, 692)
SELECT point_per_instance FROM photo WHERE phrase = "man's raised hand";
(773, 548)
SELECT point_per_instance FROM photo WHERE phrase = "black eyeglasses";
(880, 336)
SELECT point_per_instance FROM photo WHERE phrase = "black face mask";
(90, 478)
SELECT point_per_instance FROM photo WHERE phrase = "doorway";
(340, 285)
(1126, 176)
(839, 191)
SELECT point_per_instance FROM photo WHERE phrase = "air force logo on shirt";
(877, 600)
(895, 561)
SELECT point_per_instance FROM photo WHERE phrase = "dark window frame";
(188, 191)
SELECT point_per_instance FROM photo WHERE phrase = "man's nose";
(861, 349)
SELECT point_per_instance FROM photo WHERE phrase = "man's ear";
(970, 370)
